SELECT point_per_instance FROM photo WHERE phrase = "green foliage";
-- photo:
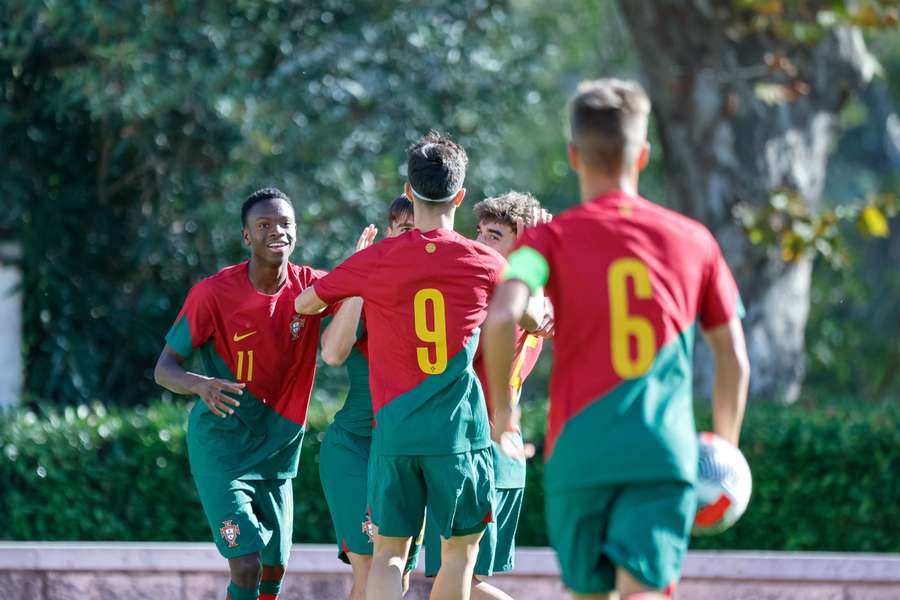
(806, 21)
(131, 133)
(823, 478)
(787, 225)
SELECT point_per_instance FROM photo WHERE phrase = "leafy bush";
(823, 479)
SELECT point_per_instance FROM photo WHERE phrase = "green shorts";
(496, 551)
(248, 516)
(457, 489)
(343, 469)
(642, 528)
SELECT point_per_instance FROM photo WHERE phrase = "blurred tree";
(132, 131)
(746, 95)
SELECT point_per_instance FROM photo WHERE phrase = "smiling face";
(499, 236)
(271, 231)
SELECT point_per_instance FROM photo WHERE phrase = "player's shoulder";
(675, 224)
(479, 253)
(226, 277)
(304, 274)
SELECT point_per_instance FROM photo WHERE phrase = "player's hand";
(538, 216)
(548, 325)
(504, 429)
(212, 391)
(366, 238)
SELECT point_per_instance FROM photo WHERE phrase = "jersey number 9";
(436, 335)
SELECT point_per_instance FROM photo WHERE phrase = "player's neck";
(426, 221)
(267, 278)
(593, 184)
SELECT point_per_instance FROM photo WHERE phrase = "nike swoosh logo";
(238, 338)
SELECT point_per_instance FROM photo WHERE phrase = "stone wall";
(137, 571)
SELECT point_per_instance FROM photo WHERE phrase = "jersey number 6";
(625, 326)
(436, 335)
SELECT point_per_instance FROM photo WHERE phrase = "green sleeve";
(179, 337)
(528, 266)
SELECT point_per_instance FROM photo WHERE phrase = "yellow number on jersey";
(240, 365)
(437, 335)
(625, 326)
(515, 380)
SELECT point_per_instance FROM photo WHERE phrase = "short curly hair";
(507, 208)
(261, 195)
(436, 167)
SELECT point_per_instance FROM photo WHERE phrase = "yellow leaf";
(873, 222)
(771, 8)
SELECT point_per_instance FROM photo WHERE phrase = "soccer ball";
(724, 484)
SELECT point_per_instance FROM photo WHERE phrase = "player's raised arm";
(170, 374)
(732, 378)
(506, 309)
(538, 315)
(340, 335)
(309, 303)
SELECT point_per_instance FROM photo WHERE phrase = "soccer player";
(344, 454)
(628, 280)
(259, 359)
(501, 220)
(425, 295)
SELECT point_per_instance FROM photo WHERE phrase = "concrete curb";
(530, 562)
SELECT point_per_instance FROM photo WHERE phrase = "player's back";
(425, 297)
(628, 280)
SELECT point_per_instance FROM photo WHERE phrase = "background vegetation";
(132, 131)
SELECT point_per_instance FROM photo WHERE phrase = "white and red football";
(724, 485)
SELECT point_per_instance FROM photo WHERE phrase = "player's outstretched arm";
(340, 335)
(732, 378)
(506, 309)
(538, 316)
(170, 374)
(308, 302)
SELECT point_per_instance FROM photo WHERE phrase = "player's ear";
(572, 153)
(644, 157)
(246, 235)
(459, 197)
(407, 191)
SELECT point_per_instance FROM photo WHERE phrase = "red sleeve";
(538, 238)
(316, 276)
(719, 300)
(194, 324)
(349, 278)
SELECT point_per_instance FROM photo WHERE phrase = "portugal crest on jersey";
(368, 528)
(229, 533)
(297, 323)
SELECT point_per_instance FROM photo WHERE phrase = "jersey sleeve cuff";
(528, 266)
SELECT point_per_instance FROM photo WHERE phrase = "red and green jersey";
(509, 472)
(244, 335)
(355, 415)
(628, 280)
(425, 296)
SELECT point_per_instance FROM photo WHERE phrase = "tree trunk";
(724, 145)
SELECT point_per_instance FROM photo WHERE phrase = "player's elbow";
(732, 360)
(333, 357)
(159, 372)
(499, 317)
